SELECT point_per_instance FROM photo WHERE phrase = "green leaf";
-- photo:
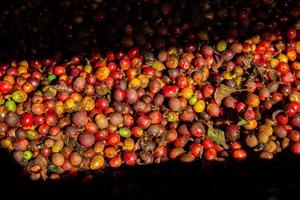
(55, 169)
(242, 122)
(51, 77)
(51, 168)
(223, 91)
(217, 135)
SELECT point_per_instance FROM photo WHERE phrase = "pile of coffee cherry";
(216, 101)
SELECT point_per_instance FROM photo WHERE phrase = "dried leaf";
(62, 87)
(40, 161)
(273, 75)
(218, 63)
(223, 91)
(66, 139)
(44, 174)
(148, 55)
(217, 135)
(275, 113)
(260, 71)
(247, 61)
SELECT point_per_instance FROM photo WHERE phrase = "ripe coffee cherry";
(27, 120)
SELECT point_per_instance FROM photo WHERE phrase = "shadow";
(38, 29)
(251, 179)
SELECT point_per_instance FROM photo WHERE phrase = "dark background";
(252, 179)
(38, 28)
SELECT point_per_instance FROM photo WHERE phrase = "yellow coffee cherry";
(58, 145)
(102, 73)
(282, 58)
(59, 107)
(22, 69)
(144, 80)
(251, 125)
(88, 69)
(199, 106)
(186, 92)
(97, 162)
(135, 83)
(238, 70)
(227, 75)
(63, 77)
(88, 103)
(274, 62)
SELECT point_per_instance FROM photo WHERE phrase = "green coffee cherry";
(125, 132)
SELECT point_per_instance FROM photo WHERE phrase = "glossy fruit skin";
(240, 106)
(125, 132)
(20, 144)
(294, 136)
(102, 73)
(195, 149)
(199, 106)
(97, 162)
(143, 121)
(210, 154)
(129, 158)
(59, 70)
(5, 87)
(208, 90)
(51, 118)
(197, 130)
(239, 154)
(11, 105)
(119, 94)
(27, 155)
(91, 127)
(170, 91)
(207, 143)
(171, 135)
(160, 151)
(180, 142)
(295, 148)
(115, 162)
(292, 108)
(137, 131)
(283, 120)
(283, 68)
(110, 152)
(102, 103)
(221, 46)
(19, 96)
(113, 139)
(252, 100)
(27, 120)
